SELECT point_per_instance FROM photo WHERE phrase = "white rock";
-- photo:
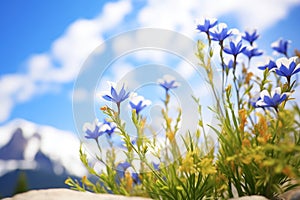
(254, 197)
(66, 194)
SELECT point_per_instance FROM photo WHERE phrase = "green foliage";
(21, 185)
(258, 149)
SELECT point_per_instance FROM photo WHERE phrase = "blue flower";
(204, 24)
(281, 46)
(220, 32)
(96, 129)
(136, 178)
(251, 51)
(235, 48)
(155, 166)
(228, 65)
(250, 36)
(138, 103)
(119, 142)
(254, 100)
(111, 128)
(271, 100)
(271, 65)
(114, 96)
(168, 82)
(287, 67)
(121, 168)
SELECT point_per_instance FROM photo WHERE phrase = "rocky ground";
(66, 194)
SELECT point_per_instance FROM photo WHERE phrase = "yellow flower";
(169, 120)
(143, 123)
(207, 167)
(128, 181)
(86, 181)
(246, 143)
(69, 181)
(228, 88)
(258, 157)
(248, 77)
(269, 162)
(264, 139)
(170, 135)
(262, 129)
(287, 170)
(243, 119)
(179, 188)
(230, 158)
(187, 164)
(103, 108)
(262, 124)
(247, 160)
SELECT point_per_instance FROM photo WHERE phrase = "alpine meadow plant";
(281, 46)
(258, 144)
(258, 137)
(250, 36)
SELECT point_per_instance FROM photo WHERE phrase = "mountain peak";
(17, 143)
(24, 141)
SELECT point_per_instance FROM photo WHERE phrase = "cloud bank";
(63, 61)
(67, 53)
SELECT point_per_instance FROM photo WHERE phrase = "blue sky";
(29, 28)
(37, 39)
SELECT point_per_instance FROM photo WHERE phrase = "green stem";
(289, 83)
(98, 145)
(223, 67)
(235, 83)
(119, 108)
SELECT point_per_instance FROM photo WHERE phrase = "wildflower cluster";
(258, 145)
(258, 136)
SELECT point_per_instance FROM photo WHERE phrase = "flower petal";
(276, 91)
(107, 98)
(268, 101)
(264, 93)
(114, 94)
(283, 97)
(292, 67)
(297, 69)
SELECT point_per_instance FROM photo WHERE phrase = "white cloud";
(181, 15)
(38, 65)
(167, 14)
(67, 53)
(14, 88)
(80, 39)
(6, 107)
(262, 14)
(63, 60)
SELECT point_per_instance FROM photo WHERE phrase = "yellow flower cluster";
(262, 129)
(187, 163)
(243, 119)
(191, 165)
(206, 166)
(128, 181)
(170, 135)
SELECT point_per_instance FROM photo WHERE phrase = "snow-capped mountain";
(28, 146)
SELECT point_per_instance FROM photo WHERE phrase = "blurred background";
(43, 44)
